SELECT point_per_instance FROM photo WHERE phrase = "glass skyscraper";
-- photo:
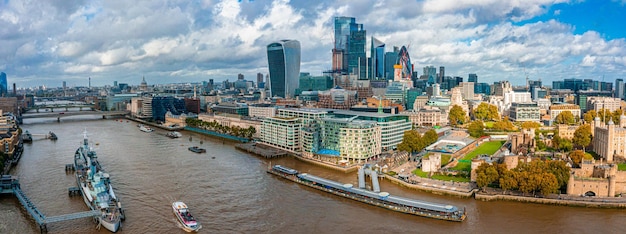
(4, 90)
(283, 58)
(350, 42)
(378, 59)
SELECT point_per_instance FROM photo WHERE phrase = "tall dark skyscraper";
(441, 75)
(390, 60)
(4, 86)
(472, 78)
(619, 89)
(283, 58)
(377, 53)
(350, 47)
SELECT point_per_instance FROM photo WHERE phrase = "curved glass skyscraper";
(283, 58)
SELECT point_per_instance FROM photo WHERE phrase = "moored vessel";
(96, 189)
(197, 149)
(174, 134)
(145, 128)
(189, 223)
(380, 199)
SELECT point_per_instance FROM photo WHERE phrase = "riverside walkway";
(10, 185)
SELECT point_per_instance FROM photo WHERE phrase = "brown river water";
(229, 191)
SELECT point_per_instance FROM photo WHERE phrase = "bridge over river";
(58, 115)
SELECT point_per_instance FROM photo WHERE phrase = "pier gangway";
(37, 215)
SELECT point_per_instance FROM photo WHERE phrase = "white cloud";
(219, 39)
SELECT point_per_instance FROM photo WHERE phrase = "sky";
(48, 42)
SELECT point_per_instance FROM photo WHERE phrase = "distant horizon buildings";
(283, 59)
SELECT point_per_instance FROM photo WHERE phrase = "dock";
(10, 185)
(261, 150)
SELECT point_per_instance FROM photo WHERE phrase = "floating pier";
(379, 199)
(10, 185)
(261, 150)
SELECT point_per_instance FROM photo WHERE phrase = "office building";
(162, 105)
(4, 92)
(522, 112)
(377, 53)
(430, 72)
(441, 74)
(349, 52)
(619, 89)
(472, 78)
(284, 65)
(390, 60)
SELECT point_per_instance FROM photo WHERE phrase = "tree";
(485, 112)
(577, 157)
(457, 116)
(504, 125)
(486, 174)
(409, 140)
(508, 181)
(590, 116)
(565, 117)
(548, 183)
(617, 114)
(476, 129)
(561, 171)
(430, 137)
(582, 136)
(529, 125)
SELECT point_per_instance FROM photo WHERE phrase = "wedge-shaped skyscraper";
(283, 58)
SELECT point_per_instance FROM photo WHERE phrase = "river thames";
(229, 191)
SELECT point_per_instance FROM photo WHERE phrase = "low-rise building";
(431, 163)
(427, 116)
(556, 109)
(596, 179)
(522, 112)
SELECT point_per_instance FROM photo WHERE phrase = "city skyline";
(169, 42)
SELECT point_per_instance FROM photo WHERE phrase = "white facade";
(515, 97)
(261, 111)
(283, 133)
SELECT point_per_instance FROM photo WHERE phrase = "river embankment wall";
(592, 202)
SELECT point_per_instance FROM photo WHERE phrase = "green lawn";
(489, 124)
(420, 173)
(621, 166)
(487, 148)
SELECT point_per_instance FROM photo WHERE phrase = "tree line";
(545, 177)
(413, 142)
(216, 127)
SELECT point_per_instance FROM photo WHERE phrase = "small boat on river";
(174, 134)
(197, 149)
(27, 137)
(145, 128)
(184, 217)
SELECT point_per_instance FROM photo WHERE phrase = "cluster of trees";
(605, 115)
(413, 142)
(581, 139)
(216, 127)
(486, 112)
(504, 125)
(476, 129)
(545, 177)
(577, 157)
(529, 125)
(565, 117)
(457, 116)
